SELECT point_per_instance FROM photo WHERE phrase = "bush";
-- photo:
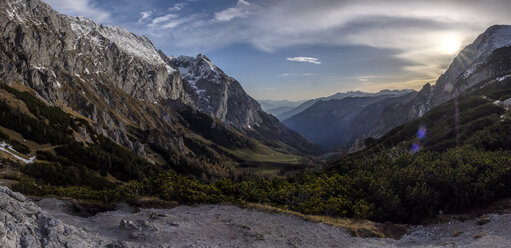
(19, 147)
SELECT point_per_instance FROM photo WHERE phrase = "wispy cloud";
(178, 6)
(305, 59)
(144, 15)
(84, 8)
(161, 19)
(416, 31)
(241, 10)
(156, 25)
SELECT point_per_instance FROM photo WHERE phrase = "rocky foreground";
(51, 223)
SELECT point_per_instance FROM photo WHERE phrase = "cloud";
(164, 18)
(84, 8)
(241, 10)
(172, 24)
(144, 15)
(168, 21)
(178, 6)
(415, 31)
(305, 59)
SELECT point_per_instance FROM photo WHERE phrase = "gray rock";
(23, 224)
(485, 219)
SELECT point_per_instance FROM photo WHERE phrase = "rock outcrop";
(24, 224)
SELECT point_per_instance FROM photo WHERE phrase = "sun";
(450, 46)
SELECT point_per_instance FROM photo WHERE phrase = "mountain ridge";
(130, 91)
(339, 95)
(467, 69)
(336, 123)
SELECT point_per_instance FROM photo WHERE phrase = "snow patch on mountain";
(503, 77)
(193, 69)
(9, 149)
(133, 44)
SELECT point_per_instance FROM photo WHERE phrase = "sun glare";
(450, 46)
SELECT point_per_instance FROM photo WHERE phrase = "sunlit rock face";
(467, 69)
(483, 61)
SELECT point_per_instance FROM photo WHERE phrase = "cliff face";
(215, 92)
(120, 80)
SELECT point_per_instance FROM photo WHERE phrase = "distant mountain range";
(337, 96)
(336, 123)
(277, 107)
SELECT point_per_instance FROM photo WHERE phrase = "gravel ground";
(231, 226)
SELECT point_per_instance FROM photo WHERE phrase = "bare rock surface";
(51, 224)
(24, 224)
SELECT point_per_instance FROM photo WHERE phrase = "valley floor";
(231, 226)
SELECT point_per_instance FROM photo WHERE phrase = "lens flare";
(415, 147)
(421, 133)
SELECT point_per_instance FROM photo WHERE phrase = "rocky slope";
(486, 60)
(53, 224)
(121, 82)
(467, 69)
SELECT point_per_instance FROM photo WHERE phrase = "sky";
(302, 49)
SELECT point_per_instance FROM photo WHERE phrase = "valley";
(106, 141)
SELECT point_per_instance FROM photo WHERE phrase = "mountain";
(162, 107)
(335, 124)
(337, 96)
(277, 107)
(279, 110)
(478, 117)
(272, 104)
(468, 68)
(482, 61)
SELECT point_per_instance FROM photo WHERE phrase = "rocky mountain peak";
(465, 71)
(193, 69)
(135, 45)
